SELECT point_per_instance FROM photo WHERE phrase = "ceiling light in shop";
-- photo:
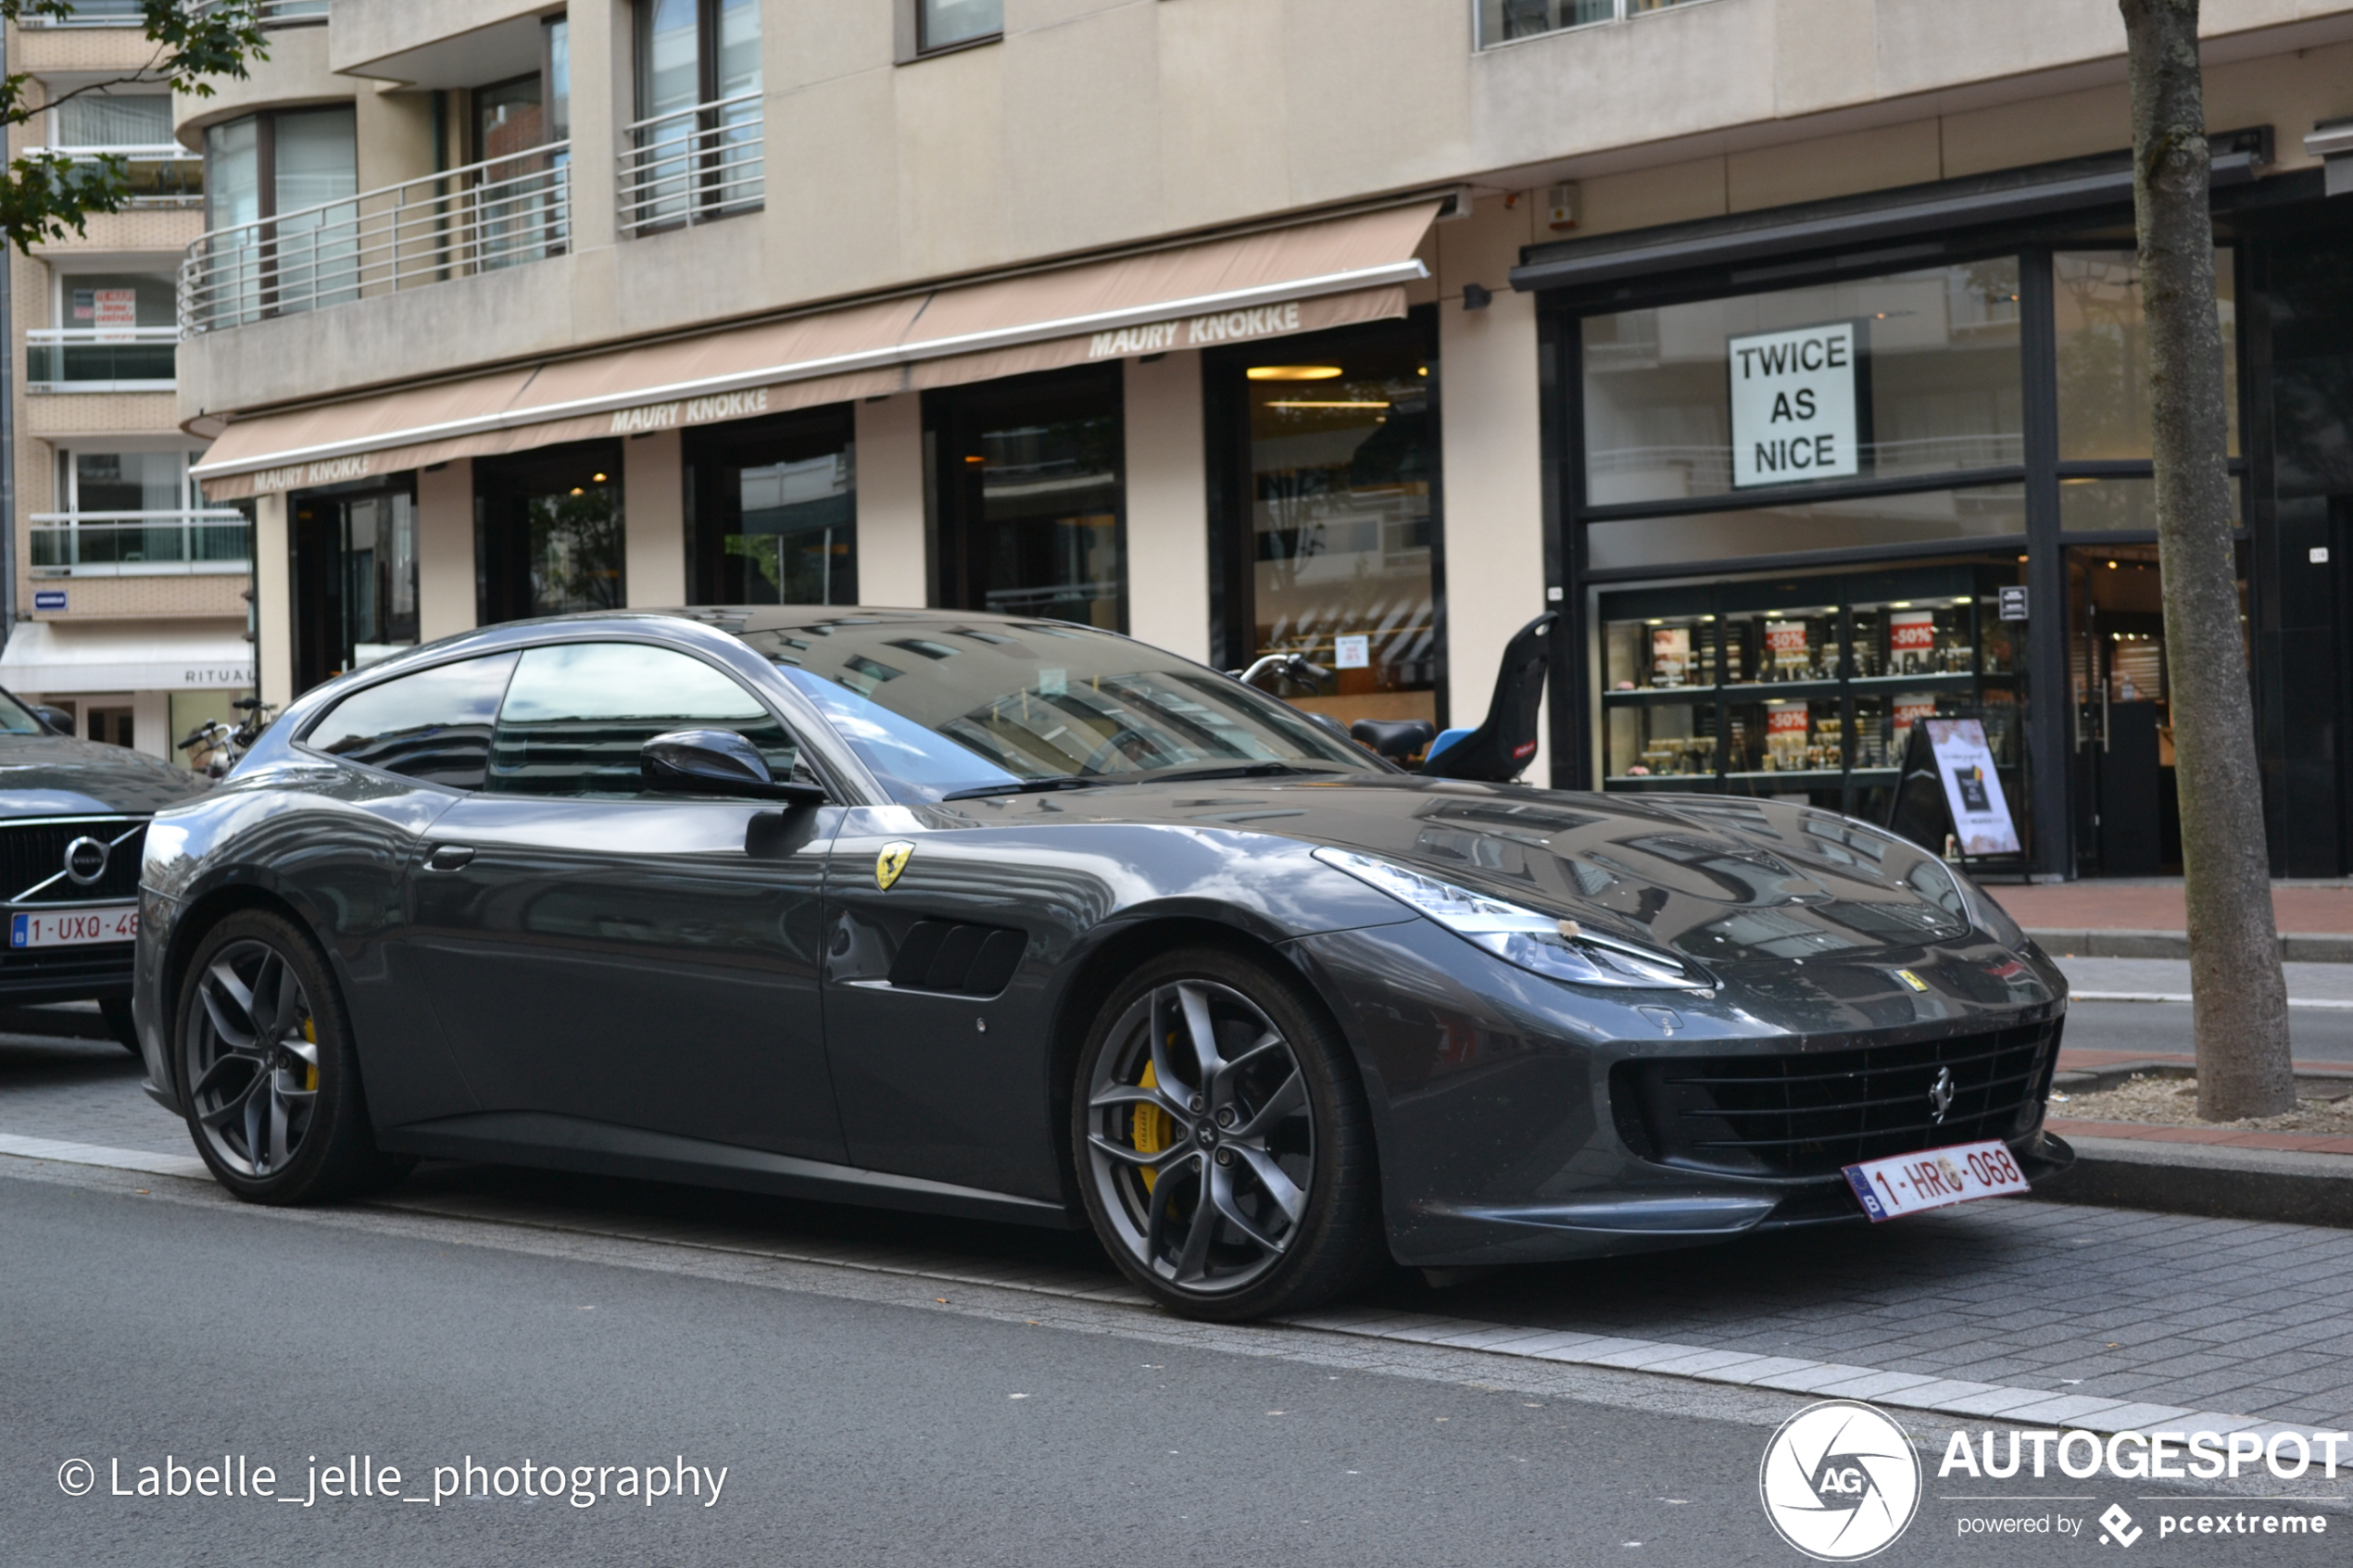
(2112, 566)
(595, 479)
(1292, 372)
(1335, 403)
(1900, 604)
(578, 491)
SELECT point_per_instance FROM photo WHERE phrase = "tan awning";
(1271, 283)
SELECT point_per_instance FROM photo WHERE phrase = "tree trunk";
(2239, 1001)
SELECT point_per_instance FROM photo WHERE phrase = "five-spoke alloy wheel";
(1222, 1140)
(265, 1068)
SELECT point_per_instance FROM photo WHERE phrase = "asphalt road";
(909, 1430)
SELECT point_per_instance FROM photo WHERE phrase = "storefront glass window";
(1805, 687)
(1911, 373)
(1994, 511)
(1342, 469)
(355, 579)
(775, 512)
(549, 534)
(1030, 495)
(2116, 506)
(2103, 353)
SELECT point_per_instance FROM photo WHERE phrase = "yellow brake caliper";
(1148, 1129)
(311, 1069)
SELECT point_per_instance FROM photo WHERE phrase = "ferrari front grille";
(1811, 1114)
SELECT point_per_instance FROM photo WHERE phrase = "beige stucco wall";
(446, 602)
(1168, 505)
(893, 559)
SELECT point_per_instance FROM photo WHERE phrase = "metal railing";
(101, 358)
(168, 173)
(92, 13)
(693, 165)
(501, 212)
(160, 544)
(272, 13)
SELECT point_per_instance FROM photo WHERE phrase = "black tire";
(270, 1082)
(1235, 1143)
(116, 1010)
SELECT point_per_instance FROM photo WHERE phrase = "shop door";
(2127, 815)
(355, 575)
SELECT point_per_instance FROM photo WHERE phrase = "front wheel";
(267, 1068)
(1224, 1148)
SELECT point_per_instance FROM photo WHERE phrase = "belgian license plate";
(1934, 1179)
(74, 928)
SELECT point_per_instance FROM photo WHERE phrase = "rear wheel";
(1223, 1149)
(266, 1067)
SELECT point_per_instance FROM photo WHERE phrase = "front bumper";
(1491, 1091)
(65, 975)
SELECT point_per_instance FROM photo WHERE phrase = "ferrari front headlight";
(1542, 944)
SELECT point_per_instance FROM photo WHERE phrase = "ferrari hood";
(1720, 879)
(57, 776)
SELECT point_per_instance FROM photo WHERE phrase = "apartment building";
(130, 611)
(1789, 349)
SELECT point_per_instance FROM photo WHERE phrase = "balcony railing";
(101, 358)
(693, 165)
(168, 174)
(501, 212)
(272, 13)
(185, 544)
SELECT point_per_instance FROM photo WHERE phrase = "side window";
(434, 725)
(576, 714)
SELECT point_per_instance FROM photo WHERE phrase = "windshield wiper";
(1021, 786)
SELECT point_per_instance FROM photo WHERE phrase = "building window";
(135, 127)
(1501, 21)
(1031, 496)
(114, 332)
(695, 150)
(131, 514)
(943, 24)
(774, 516)
(282, 232)
(548, 533)
(1330, 538)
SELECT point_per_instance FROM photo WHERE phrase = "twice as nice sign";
(1794, 404)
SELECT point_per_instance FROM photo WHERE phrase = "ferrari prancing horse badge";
(891, 861)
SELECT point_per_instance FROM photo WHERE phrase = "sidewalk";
(2146, 918)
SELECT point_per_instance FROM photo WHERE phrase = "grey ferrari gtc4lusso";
(1018, 920)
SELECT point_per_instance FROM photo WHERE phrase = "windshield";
(18, 720)
(941, 710)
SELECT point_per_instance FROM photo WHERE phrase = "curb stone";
(2219, 1183)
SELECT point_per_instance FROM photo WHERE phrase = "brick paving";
(2085, 1303)
(2155, 904)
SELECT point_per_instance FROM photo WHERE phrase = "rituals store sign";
(1797, 397)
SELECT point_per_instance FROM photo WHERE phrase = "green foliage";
(44, 196)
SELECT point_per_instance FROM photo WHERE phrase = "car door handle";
(447, 857)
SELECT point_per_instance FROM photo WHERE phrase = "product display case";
(1802, 688)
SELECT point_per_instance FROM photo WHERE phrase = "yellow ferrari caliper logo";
(1914, 981)
(891, 861)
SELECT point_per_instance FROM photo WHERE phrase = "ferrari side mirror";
(718, 763)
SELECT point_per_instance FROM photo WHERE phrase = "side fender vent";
(969, 961)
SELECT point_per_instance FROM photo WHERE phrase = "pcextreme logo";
(1840, 1481)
